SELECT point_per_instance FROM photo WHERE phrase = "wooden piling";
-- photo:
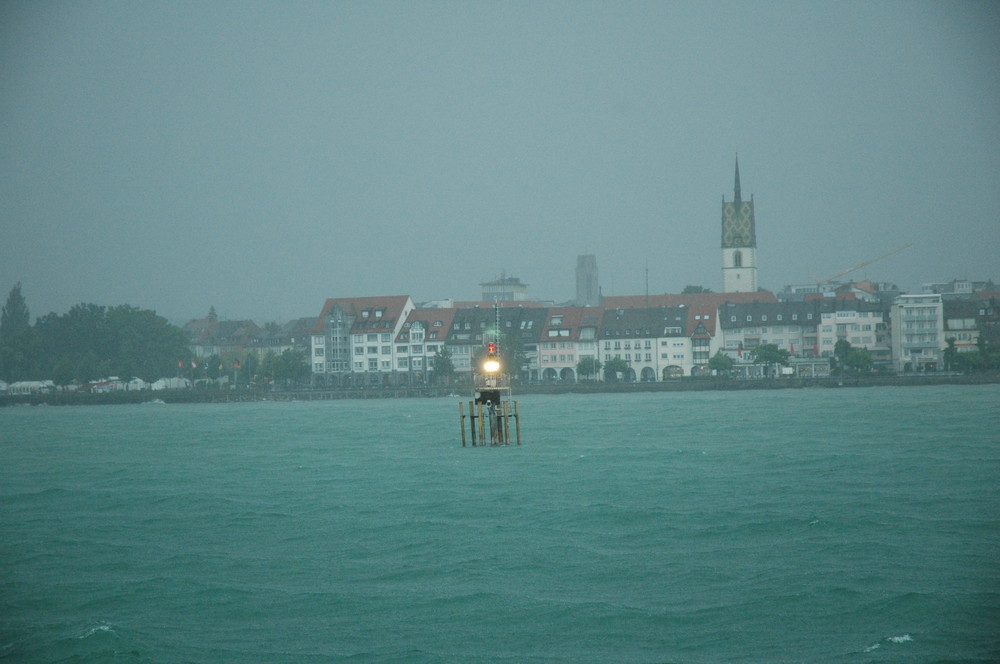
(517, 424)
(461, 420)
(482, 424)
(506, 423)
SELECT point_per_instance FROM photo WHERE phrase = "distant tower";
(588, 293)
(739, 242)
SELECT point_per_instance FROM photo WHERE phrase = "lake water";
(816, 525)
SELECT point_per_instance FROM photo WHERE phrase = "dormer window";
(365, 313)
(378, 313)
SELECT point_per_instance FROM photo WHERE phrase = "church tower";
(739, 242)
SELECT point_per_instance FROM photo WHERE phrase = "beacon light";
(492, 363)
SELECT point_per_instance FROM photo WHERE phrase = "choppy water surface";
(854, 525)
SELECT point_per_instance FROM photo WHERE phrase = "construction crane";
(820, 282)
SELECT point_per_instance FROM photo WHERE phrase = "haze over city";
(263, 157)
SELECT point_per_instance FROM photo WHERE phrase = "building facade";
(917, 332)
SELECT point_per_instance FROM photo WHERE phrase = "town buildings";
(391, 340)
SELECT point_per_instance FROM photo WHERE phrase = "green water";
(854, 525)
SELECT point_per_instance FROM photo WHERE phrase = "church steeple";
(736, 188)
(739, 241)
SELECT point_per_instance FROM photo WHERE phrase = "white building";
(354, 338)
(917, 332)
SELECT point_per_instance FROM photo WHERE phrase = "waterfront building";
(654, 341)
(917, 332)
(569, 334)
(862, 323)
(354, 338)
(790, 326)
(424, 333)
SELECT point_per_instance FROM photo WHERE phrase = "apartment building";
(917, 332)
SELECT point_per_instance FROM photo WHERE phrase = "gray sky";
(261, 157)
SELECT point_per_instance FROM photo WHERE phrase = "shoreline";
(461, 392)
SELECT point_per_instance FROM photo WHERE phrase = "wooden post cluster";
(489, 424)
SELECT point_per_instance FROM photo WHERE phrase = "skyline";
(262, 158)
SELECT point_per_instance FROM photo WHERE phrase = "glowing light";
(491, 365)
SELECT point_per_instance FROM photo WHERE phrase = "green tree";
(268, 368)
(695, 289)
(214, 367)
(840, 352)
(616, 370)
(15, 319)
(859, 361)
(92, 341)
(292, 366)
(444, 367)
(721, 363)
(950, 355)
(769, 355)
(588, 366)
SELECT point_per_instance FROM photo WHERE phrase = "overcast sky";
(261, 157)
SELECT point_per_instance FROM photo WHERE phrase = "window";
(402, 349)
(438, 323)
(417, 349)
(318, 351)
(763, 317)
(386, 338)
(372, 337)
(372, 350)
(372, 364)
(386, 350)
(359, 350)
(749, 319)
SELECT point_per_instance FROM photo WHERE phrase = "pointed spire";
(736, 188)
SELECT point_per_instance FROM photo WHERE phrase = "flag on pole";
(792, 346)
(194, 365)
(739, 351)
(238, 365)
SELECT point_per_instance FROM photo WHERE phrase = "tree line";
(88, 342)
